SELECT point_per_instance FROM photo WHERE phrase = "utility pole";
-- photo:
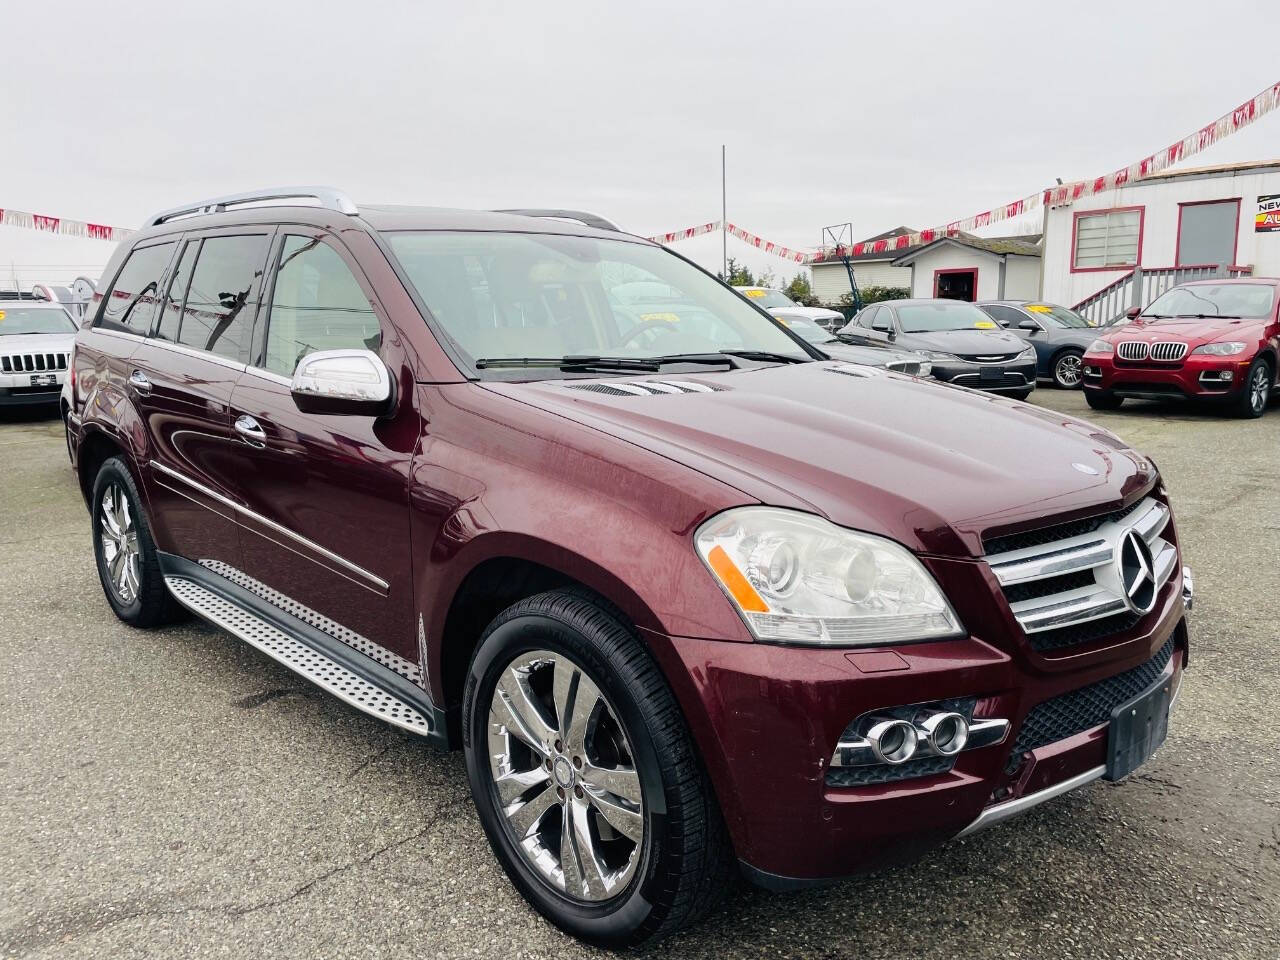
(724, 219)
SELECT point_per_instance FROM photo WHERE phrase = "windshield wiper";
(1196, 316)
(765, 356)
(641, 364)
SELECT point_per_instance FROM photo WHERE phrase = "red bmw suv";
(1212, 340)
(691, 596)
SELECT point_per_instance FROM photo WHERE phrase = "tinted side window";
(866, 316)
(171, 314)
(131, 303)
(883, 320)
(316, 304)
(1005, 316)
(223, 296)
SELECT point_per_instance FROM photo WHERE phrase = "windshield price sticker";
(1039, 308)
(985, 325)
(755, 294)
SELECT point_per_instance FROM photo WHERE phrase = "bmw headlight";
(1223, 348)
(940, 357)
(797, 578)
(1100, 346)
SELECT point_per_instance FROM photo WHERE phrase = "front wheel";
(585, 776)
(1257, 391)
(1067, 370)
(1102, 400)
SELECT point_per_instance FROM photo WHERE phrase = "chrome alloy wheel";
(1259, 387)
(118, 530)
(565, 777)
(1068, 370)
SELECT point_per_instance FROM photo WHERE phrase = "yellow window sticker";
(755, 294)
(985, 325)
(782, 320)
(664, 317)
(1, 315)
(1039, 308)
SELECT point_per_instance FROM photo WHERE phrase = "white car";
(784, 308)
(36, 338)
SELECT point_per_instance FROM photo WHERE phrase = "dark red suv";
(689, 595)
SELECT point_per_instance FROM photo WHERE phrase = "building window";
(1109, 239)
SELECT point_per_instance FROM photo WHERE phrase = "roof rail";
(590, 219)
(328, 197)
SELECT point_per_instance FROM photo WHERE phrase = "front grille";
(32, 362)
(1007, 379)
(987, 357)
(1132, 350)
(1168, 350)
(1080, 710)
(1075, 582)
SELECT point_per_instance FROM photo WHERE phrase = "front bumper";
(1013, 377)
(18, 389)
(767, 719)
(1195, 377)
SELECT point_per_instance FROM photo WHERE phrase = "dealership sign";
(1268, 216)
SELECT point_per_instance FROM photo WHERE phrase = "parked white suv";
(784, 308)
(35, 347)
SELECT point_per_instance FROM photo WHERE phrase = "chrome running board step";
(302, 658)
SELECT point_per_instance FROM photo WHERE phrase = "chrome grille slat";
(1132, 350)
(1168, 350)
(1065, 601)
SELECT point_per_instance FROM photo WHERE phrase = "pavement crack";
(365, 764)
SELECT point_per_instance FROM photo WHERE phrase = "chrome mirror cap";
(351, 382)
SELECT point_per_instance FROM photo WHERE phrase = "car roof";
(909, 301)
(1232, 281)
(31, 304)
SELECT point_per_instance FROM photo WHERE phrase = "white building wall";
(1022, 278)
(830, 280)
(947, 256)
(1160, 199)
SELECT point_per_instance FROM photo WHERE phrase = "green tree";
(801, 291)
(739, 275)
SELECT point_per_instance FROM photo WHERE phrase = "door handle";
(250, 431)
(138, 380)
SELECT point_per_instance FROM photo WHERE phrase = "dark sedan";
(965, 346)
(1060, 335)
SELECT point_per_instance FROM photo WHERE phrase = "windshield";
(504, 296)
(767, 298)
(807, 329)
(950, 315)
(1225, 300)
(1054, 315)
(19, 320)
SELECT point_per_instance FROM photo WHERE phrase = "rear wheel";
(128, 564)
(585, 777)
(1252, 402)
(1067, 369)
(1103, 400)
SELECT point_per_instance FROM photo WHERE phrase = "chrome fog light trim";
(892, 741)
(945, 732)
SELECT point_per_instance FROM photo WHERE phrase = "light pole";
(724, 220)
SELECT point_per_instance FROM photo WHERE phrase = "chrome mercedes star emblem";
(1085, 468)
(1137, 572)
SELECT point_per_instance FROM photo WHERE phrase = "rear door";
(327, 528)
(181, 379)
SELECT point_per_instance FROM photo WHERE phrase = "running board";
(303, 659)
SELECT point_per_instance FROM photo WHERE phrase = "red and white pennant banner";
(686, 233)
(768, 246)
(60, 225)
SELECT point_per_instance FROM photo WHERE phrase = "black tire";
(1067, 370)
(1256, 393)
(149, 604)
(1102, 400)
(1021, 394)
(685, 861)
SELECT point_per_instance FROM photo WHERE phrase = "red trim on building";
(1235, 246)
(1075, 220)
(957, 270)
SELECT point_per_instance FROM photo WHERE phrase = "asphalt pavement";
(173, 793)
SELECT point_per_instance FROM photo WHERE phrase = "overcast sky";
(880, 114)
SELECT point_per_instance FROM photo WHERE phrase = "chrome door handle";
(250, 431)
(138, 380)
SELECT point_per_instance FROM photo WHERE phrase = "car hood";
(921, 462)
(962, 341)
(1190, 329)
(37, 342)
(806, 313)
(878, 356)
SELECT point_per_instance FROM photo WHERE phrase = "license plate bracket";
(1138, 728)
(991, 374)
(44, 380)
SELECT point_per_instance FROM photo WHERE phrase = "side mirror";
(342, 382)
(1132, 312)
(1029, 325)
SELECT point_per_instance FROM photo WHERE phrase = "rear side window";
(316, 304)
(1005, 316)
(131, 302)
(223, 296)
(171, 314)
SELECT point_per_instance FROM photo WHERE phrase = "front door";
(182, 377)
(327, 522)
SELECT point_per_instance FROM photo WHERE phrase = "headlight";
(1100, 346)
(926, 369)
(1224, 348)
(1027, 351)
(797, 578)
(939, 356)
